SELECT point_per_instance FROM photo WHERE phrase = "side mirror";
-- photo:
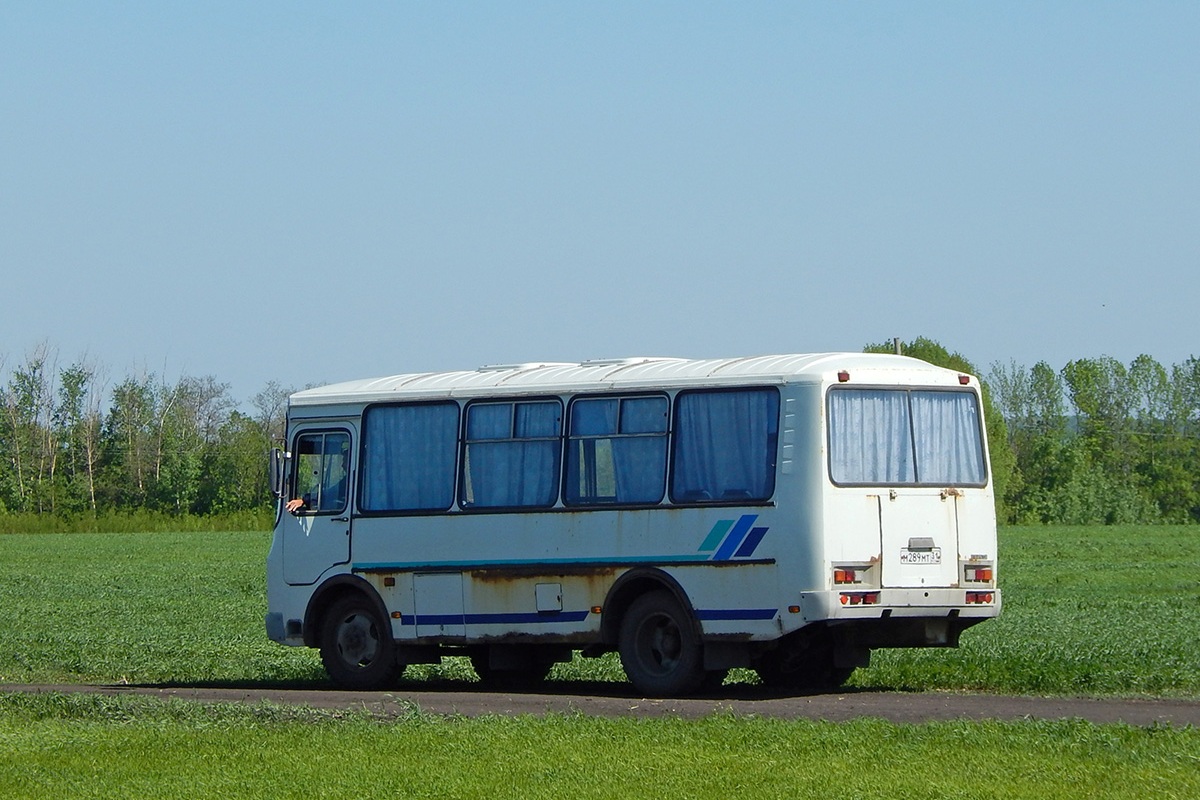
(278, 457)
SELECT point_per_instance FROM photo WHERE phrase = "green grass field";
(1087, 611)
(1109, 611)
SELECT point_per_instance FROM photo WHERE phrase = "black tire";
(357, 646)
(660, 647)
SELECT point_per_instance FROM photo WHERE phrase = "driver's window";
(322, 471)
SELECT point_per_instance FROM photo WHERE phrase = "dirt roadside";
(606, 701)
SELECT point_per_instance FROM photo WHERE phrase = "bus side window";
(409, 453)
(724, 446)
(322, 471)
(511, 454)
(617, 451)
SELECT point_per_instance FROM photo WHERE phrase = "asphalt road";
(615, 700)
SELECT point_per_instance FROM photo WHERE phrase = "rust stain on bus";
(588, 572)
(517, 589)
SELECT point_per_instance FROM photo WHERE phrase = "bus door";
(317, 535)
(919, 530)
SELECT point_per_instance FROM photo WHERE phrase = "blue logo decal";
(733, 538)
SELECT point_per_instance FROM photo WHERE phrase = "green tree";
(75, 426)
(1091, 494)
(190, 416)
(236, 477)
(271, 405)
(1104, 399)
(1114, 407)
(28, 437)
(1164, 451)
(8, 480)
(1033, 404)
(130, 444)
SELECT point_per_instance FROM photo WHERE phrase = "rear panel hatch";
(919, 538)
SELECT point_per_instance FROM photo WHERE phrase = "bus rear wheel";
(660, 648)
(357, 646)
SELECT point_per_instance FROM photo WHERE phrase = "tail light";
(978, 573)
(860, 598)
(844, 575)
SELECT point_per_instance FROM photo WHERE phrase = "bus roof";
(628, 374)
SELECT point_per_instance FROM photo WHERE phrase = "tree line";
(73, 446)
(1101, 442)
(1096, 441)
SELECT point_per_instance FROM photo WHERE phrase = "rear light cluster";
(978, 574)
(860, 577)
(860, 598)
(843, 575)
(976, 598)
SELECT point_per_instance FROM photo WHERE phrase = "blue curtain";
(594, 417)
(640, 468)
(409, 455)
(618, 451)
(725, 445)
(513, 452)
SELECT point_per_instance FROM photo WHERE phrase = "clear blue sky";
(311, 192)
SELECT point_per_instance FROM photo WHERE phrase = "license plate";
(933, 556)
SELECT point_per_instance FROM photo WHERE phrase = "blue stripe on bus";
(717, 614)
(740, 528)
(751, 544)
(716, 535)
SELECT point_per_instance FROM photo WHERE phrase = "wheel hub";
(357, 641)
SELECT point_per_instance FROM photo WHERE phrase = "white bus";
(783, 513)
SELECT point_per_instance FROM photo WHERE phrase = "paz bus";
(787, 514)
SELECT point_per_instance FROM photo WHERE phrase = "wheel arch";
(632, 585)
(330, 592)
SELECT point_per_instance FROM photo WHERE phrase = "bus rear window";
(901, 436)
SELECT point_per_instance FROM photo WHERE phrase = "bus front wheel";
(660, 649)
(357, 646)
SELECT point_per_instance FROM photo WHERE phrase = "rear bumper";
(899, 603)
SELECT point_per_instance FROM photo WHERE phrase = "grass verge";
(100, 747)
